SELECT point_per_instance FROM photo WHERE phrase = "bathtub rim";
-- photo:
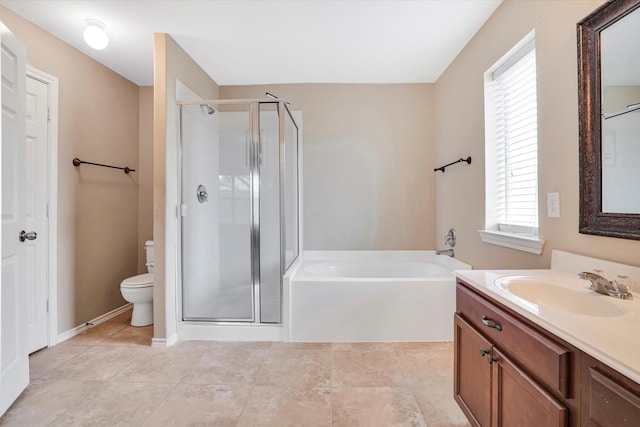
(295, 273)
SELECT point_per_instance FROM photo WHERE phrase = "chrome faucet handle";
(623, 286)
(201, 194)
(450, 239)
(623, 283)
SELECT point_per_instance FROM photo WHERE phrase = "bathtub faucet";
(448, 252)
(449, 240)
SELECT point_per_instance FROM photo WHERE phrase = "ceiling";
(269, 42)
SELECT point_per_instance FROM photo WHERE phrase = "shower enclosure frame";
(282, 108)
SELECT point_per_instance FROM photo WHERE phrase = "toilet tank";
(148, 248)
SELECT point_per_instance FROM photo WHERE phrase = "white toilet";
(139, 291)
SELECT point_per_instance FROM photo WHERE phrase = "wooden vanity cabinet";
(509, 371)
(506, 371)
(493, 391)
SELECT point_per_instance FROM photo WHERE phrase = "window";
(511, 149)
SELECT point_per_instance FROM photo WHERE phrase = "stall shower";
(239, 188)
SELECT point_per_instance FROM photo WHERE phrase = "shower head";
(208, 108)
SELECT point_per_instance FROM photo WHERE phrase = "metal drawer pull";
(491, 359)
(484, 352)
(490, 323)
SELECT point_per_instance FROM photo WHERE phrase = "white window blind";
(513, 87)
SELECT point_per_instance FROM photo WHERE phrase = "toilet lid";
(138, 281)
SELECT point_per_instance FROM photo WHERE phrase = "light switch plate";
(553, 205)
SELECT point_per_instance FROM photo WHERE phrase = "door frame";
(52, 200)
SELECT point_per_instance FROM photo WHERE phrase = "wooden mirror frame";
(592, 219)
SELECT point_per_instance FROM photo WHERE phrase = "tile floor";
(109, 376)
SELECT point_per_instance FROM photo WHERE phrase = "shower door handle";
(260, 139)
(247, 149)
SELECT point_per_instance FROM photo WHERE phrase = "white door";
(14, 356)
(36, 212)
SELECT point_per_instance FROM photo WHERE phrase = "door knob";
(32, 235)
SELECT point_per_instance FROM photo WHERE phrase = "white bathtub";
(366, 296)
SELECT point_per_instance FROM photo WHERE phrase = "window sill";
(514, 241)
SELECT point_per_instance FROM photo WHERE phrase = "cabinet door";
(472, 373)
(517, 400)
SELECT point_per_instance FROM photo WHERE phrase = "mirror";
(609, 114)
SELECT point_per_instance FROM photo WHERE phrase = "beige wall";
(616, 98)
(98, 208)
(171, 64)
(460, 132)
(145, 173)
(368, 163)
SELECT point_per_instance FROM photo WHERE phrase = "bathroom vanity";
(524, 359)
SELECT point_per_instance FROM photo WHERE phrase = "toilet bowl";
(138, 290)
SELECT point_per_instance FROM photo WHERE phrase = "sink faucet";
(604, 286)
(598, 283)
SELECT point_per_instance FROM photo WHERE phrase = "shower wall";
(201, 257)
(368, 180)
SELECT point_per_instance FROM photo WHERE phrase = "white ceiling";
(269, 42)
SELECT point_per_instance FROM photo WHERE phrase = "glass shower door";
(290, 186)
(270, 226)
(278, 168)
(217, 228)
(239, 207)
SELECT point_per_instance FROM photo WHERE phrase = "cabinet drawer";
(546, 359)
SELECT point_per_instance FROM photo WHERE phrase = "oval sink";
(545, 294)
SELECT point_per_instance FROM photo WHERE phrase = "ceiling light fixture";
(94, 34)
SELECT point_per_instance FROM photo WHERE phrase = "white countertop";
(614, 340)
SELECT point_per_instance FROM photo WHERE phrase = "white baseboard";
(100, 319)
(164, 342)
